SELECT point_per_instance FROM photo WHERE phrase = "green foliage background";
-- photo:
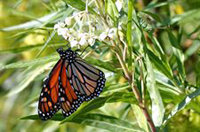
(163, 55)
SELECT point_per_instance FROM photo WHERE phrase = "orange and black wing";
(49, 99)
(86, 79)
(70, 99)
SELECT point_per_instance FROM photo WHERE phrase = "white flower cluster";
(72, 29)
(83, 28)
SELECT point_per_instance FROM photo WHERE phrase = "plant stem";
(135, 91)
(128, 76)
(143, 107)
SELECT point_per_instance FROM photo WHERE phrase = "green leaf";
(188, 16)
(173, 40)
(180, 62)
(155, 4)
(129, 31)
(127, 97)
(31, 24)
(116, 88)
(153, 15)
(192, 49)
(98, 121)
(141, 119)
(158, 49)
(56, 117)
(46, 43)
(29, 47)
(159, 64)
(100, 101)
(22, 64)
(106, 65)
(107, 122)
(111, 10)
(122, 97)
(79, 4)
(33, 72)
(181, 105)
(40, 22)
(156, 100)
(167, 84)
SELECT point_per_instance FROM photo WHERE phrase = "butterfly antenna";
(84, 50)
(68, 46)
(52, 46)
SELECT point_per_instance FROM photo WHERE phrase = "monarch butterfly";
(71, 82)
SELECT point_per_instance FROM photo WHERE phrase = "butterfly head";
(68, 54)
(61, 53)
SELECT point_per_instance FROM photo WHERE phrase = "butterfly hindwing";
(86, 79)
(48, 101)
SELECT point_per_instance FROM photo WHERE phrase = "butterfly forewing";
(70, 99)
(48, 101)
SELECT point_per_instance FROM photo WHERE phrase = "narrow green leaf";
(155, 4)
(122, 97)
(180, 62)
(107, 122)
(30, 76)
(46, 43)
(141, 119)
(129, 31)
(56, 117)
(156, 100)
(95, 104)
(192, 49)
(98, 121)
(159, 50)
(31, 24)
(100, 101)
(29, 47)
(173, 40)
(153, 15)
(111, 10)
(167, 83)
(181, 105)
(159, 64)
(79, 4)
(106, 65)
(186, 17)
(116, 88)
(22, 64)
(157, 45)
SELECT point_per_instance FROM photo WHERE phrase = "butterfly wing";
(70, 99)
(48, 101)
(86, 79)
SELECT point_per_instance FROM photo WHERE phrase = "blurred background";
(21, 72)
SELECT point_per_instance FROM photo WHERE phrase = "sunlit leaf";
(97, 120)
(182, 105)
(29, 78)
(31, 24)
(159, 64)
(29, 47)
(140, 117)
(107, 122)
(157, 104)
(30, 63)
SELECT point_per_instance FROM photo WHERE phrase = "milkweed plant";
(147, 83)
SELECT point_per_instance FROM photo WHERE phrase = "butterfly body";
(71, 82)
